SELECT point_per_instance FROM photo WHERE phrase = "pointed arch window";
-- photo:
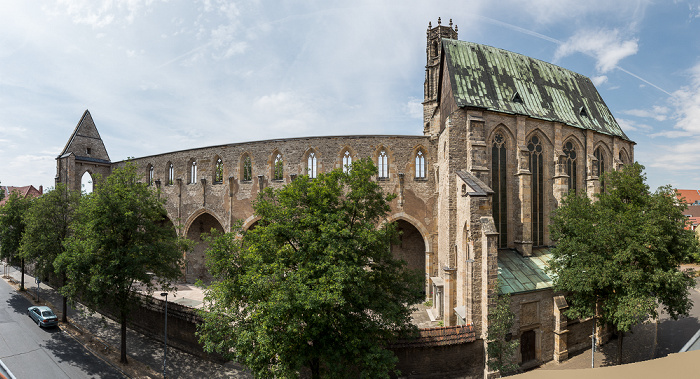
(534, 146)
(219, 171)
(600, 165)
(347, 161)
(383, 165)
(311, 165)
(570, 165)
(623, 157)
(150, 175)
(420, 165)
(171, 174)
(247, 169)
(498, 184)
(193, 172)
(278, 171)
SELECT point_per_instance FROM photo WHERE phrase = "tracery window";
(150, 175)
(600, 165)
(534, 146)
(278, 173)
(498, 184)
(171, 174)
(347, 162)
(219, 171)
(193, 172)
(311, 165)
(383, 165)
(570, 164)
(420, 165)
(247, 169)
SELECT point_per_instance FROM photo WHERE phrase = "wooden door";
(527, 346)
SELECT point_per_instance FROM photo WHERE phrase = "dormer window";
(583, 112)
(516, 98)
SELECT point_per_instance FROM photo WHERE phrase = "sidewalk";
(139, 347)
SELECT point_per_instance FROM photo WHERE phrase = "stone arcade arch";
(413, 247)
(195, 260)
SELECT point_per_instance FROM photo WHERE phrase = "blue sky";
(159, 76)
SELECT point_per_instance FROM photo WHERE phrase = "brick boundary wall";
(436, 352)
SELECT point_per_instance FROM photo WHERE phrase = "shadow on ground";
(67, 350)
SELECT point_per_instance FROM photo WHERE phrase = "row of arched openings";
(278, 167)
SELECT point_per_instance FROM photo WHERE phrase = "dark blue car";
(43, 316)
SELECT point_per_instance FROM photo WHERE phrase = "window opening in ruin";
(278, 173)
(193, 172)
(570, 164)
(88, 151)
(600, 165)
(623, 157)
(219, 172)
(86, 184)
(247, 169)
(311, 165)
(420, 165)
(498, 184)
(171, 174)
(383, 165)
(537, 190)
(150, 175)
(347, 161)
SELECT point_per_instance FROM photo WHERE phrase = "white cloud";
(657, 113)
(599, 80)
(608, 47)
(414, 108)
(632, 126)
(678, 157)
(101, 13)
(686, 102)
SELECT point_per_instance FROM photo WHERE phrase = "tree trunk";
(315, 367)
(21, 282)
(64, 317)
(123, 344)
(619, 347)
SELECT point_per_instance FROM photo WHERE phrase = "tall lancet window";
(193, 173)
(420, 165)
(600, 165)
(570, 164)
(347, 161)
(171, 174)
(498, 184)
(383, 165)
(537, 190)
(311, 165)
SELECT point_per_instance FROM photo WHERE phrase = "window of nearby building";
(347, 161)
(537, 189)
(311, 165)
(570, 164)
(278, 173)
(171, 174)
(219, 171)
(383, 165)
(247, 169)
(193, 172)
(498, 184)
(420, 165)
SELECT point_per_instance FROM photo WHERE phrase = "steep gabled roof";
(691, 196)
(86, 135)
(24, 192)
(499, 80)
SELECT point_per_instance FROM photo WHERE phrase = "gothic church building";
(505, 138)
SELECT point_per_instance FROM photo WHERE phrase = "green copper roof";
(486, 77)
(523, 274)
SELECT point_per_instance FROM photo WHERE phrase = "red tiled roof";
(691, 196)
(450, 335)
(26, 191)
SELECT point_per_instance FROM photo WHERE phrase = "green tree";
(121, 238)
(47, 227)
(12, 228)
(501, 351)
(314, 284)
(618, 258)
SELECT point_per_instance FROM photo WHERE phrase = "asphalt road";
(32, 352)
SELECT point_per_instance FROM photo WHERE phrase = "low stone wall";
(579, 337)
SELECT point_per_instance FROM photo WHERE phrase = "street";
(31, 352)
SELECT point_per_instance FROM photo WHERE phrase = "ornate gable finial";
(456, 30)
(430, 24)
(439, 21)
(450, 23)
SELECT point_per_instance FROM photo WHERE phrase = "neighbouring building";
(505, 138)
(24, 192)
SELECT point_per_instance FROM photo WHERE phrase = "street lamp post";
(165, 343)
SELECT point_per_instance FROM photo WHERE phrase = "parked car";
(43, 316)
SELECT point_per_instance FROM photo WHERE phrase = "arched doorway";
(411, 246)
(195, 260)
(86, 184)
